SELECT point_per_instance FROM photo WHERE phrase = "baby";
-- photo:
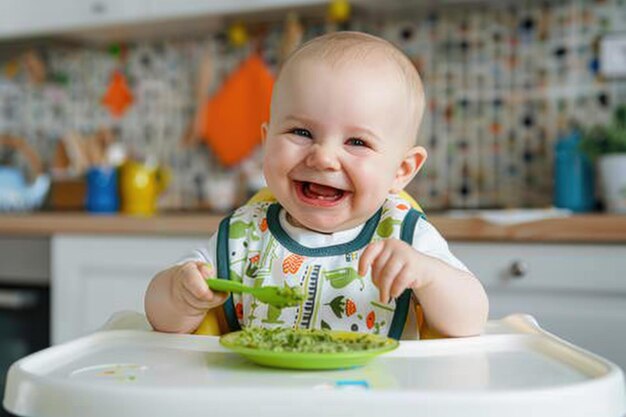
(339, 148)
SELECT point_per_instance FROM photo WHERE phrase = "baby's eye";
(301, 132)
(356, 142)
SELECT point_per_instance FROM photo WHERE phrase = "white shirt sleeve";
(206, 254)
(429, 241)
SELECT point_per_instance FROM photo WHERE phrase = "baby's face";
(335, 141)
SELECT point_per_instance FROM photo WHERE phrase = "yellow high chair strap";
(213, 324)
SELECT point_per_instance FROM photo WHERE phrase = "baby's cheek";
(372, 179)
(273, 161)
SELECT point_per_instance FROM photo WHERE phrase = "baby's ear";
(264, 128)
(409, 166)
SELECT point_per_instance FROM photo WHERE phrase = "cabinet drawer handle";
(518, 269)
(17, 299)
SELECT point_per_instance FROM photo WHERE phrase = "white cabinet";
(25, 260)
(35, 17)
(196, 8)
(95, 276)
(577, 292)
(46, 17)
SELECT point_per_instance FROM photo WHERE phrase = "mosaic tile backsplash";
(502, 82)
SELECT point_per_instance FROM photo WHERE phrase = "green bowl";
(312, 361)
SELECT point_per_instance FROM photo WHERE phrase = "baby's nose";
(323, 157)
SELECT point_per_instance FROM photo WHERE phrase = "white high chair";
(515, 369)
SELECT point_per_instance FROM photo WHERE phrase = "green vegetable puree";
(293, 296)
(305, 340)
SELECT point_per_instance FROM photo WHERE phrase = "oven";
(24, 300)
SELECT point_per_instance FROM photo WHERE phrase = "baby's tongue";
(323, 190)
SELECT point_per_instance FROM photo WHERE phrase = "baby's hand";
(396, 266)
(190, 292)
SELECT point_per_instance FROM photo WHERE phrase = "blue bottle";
(573, 175)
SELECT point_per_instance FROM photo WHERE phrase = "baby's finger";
(206, 270)
(219, 298)
(369, 254)
(387, 277)
(378, 265)
(194, 283)
(195, 303)
(402, 282)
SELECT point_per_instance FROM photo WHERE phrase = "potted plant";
(607, 145)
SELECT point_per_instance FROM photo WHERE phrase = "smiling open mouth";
(318, 193)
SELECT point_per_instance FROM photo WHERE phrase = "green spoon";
(276, 296)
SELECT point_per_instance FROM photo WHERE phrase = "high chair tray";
(514, 369)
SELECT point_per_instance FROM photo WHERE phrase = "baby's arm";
(453, 300)
(178, 298)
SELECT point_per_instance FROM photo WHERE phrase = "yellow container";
(140, 187)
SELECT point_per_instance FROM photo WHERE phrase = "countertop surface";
(574, 229)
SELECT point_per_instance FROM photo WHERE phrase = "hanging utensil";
(292, 36)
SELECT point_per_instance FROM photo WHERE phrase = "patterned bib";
(253, 248)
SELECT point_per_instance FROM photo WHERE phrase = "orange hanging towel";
(232, 118)
(118, 95)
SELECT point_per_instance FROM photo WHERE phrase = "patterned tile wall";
(502, 82)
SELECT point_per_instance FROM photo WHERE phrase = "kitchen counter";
(587, 228)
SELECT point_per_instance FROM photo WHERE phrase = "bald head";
(357, 49)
